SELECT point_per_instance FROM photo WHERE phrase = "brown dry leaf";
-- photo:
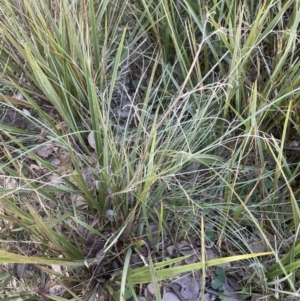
(259, 298)
(18, 96)
(172, 251)
(293, 143)
(154, 232)
(136, 261)
(56, 290)
(191, 259)
(234, 297)
(34, 167)
(209, 297)
(56, 268)
(190, 287)
(231, 285)
(98, 258)
(16, 101)
(45, 150)
(109, 214)
(257, 246)
(95, 244)
(22, 271)
(151, 289)
(64, 155)
(187, 250)
(184, 246)
(8, 182)
(55, 179)
(94, 295)
(212, 254)
(168, 296)
(256, 242)
(79, 200)
(91, 140)
(89, 177)
(55, 162)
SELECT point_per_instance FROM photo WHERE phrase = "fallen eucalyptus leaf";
(172, 251)
(189, 287)
(55, 162)
(231, 285)
(91, 140)
(56, 290)
(168, 296)
(22, 271)
(136, 261)
(45, 150)
(187, 250)
(191, 259)
(151, 289)
(10, 183)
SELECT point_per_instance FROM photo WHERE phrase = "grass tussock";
(131, 132)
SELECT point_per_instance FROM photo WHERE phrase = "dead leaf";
(172, 251)
(211, 254)
(18, 96)
(257, 247)
(191, 259)
(91, 140)
(209, 297)
(78, 200)
(151, 289)
(22, 271)
(45, 150)
(95, 294)
(8, 182)
(34, 167)
(293, 143)
(56, 268)
(153, 234)
(232, 282)
(56, 290)
(136, 261)
(55, 179)
(187, 250)
(190, 287)
(168, 296)
(15, 101)
(234, 297)
(98, 258)
(64, 155)
(26, 112)
(256, 243)
(55, 162)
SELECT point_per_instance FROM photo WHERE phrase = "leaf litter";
(185, 288)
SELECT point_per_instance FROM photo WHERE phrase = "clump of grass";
(159, 113)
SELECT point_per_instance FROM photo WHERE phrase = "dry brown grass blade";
(15, 101)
